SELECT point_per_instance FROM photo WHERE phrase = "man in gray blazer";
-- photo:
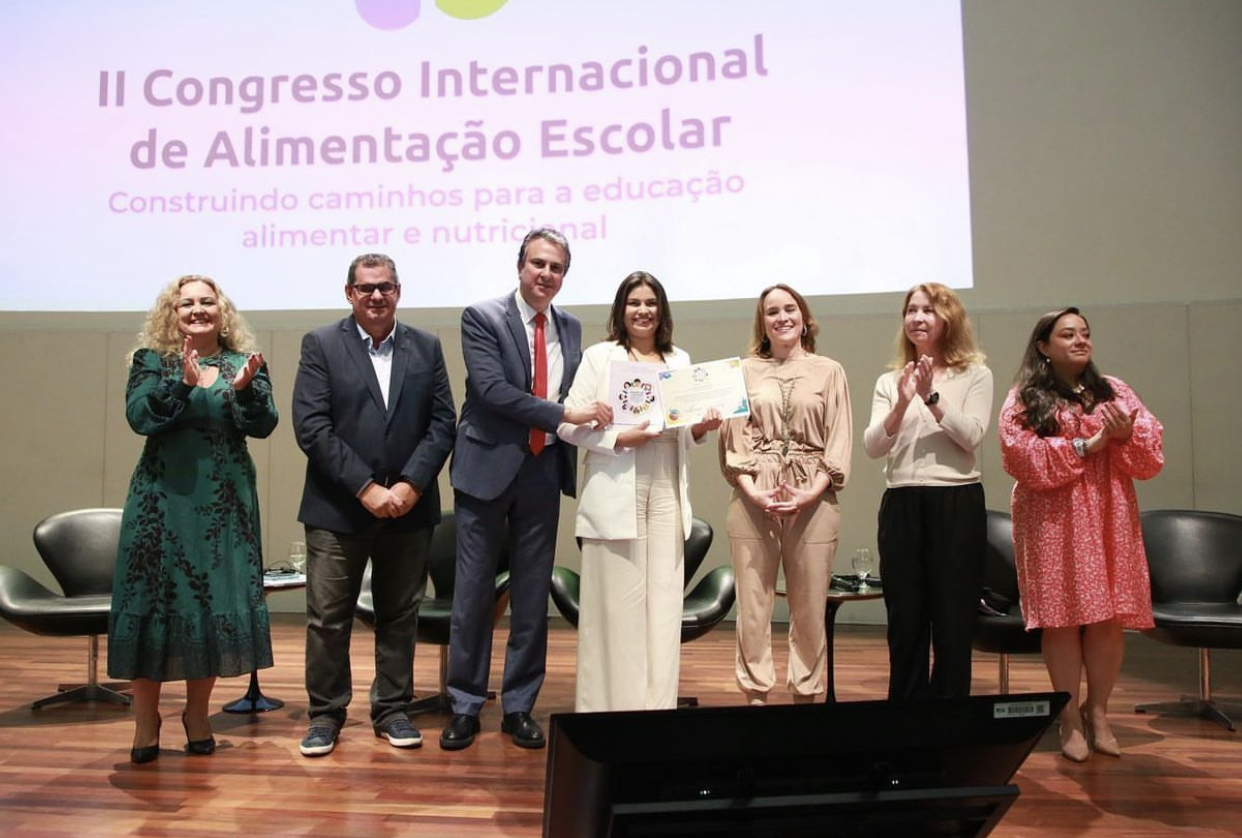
(508, 472)
(373, 411)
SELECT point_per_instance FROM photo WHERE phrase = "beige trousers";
(760, 545)
(630, 598)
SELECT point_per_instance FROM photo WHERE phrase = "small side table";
(254, 701)
(837, 598)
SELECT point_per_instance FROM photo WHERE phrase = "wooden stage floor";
(64, 769)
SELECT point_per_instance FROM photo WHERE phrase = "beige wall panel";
(1148, 348)
(1002, 335)
(122, 446)
(1215, 405)
(53, 440)
(286, 465)
(1104, 140)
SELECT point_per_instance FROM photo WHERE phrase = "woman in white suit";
(633, 513)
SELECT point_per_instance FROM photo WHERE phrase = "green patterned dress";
(187, 599)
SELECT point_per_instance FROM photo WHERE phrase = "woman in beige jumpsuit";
(786, 462)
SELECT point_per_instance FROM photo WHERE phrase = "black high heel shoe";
(150, 753)
(197, 747)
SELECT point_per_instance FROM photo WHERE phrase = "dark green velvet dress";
(187, 599)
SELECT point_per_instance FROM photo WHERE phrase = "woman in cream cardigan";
(633, 515)
(928, 417)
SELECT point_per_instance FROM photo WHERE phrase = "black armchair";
(704, 606)
(1195, 559)
(79, 548)
(436, 610)
(998, 627)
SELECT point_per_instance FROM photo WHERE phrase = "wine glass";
(297, 556)
(862, 563)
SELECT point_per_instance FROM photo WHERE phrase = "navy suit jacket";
(350, 438)
(494, 432)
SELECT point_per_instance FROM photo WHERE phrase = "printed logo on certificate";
(688, 392)
(634, 393)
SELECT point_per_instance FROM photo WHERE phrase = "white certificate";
(687, 393)
(634, 393)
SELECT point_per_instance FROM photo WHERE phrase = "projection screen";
(721, 145)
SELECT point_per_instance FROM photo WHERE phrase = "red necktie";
(537, 436)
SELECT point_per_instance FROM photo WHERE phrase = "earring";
(224, 332)
(804, 331)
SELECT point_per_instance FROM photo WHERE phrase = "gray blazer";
(499, 410)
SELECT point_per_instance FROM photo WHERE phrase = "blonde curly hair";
(160, 333)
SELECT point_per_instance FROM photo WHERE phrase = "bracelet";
(1080, 447)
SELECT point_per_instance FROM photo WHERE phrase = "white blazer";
(607, 506)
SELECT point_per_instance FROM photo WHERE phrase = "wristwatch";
(932, 398)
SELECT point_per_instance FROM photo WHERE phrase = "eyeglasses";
(369, 288)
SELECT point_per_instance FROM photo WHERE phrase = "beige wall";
(1105, 140)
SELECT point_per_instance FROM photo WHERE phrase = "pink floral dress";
(1078, 545)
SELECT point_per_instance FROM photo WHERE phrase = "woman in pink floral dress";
(1075, 440)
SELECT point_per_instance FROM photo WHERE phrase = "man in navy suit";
(373, 411)
(509, 471)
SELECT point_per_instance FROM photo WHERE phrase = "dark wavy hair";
(1041, 392)
(616, 317)
(760, 346)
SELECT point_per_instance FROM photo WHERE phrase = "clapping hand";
(916, 379)
(924, 377)
(246, 374)
(190, 370)
(1118, 424)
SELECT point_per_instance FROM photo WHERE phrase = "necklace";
(786, 387)
(1078, 389)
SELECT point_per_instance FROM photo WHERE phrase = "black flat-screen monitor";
(867, 768)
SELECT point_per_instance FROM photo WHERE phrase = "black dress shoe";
(460, 732)
(525, 731)
(197, 747)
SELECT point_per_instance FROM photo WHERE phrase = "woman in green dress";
(187, 600)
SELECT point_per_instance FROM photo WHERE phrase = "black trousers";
(932, 541)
